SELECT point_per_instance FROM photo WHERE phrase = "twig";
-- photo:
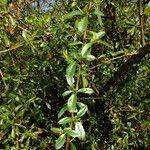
(3, 78)
(110, 60)
(10, 49)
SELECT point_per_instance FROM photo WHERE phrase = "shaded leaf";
(71, 14)
(62, 111)
(73, 147)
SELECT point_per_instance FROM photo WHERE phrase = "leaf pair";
(78, 132)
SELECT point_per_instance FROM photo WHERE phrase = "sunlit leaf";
(90, 57)
(82, 25)
(79, 128)
(67, 93)
(65, 120)
(71, 132)
(60, 141)
(56, 130)
(71, 69)
(80, 104)
(48, 105)
(70, 80)
(82, 111)
(86, 90)
(75, 43)
(86, 49)
(72, 103)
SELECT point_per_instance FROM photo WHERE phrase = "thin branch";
(110, 60)
(1, 73)
(10, 49)
(125, 67)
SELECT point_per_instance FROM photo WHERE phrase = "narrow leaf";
(71, 132)
(72, 103)
(100, 34)
(82, 111)
(67, 93)
(79, 128)
(86, 90)
(48, 105)
(90, 57)
(75, 43)
(80, 104)
(73, 147)
(86, 49)
(71, 69)
(65, 120)
(56, 130)
(62, 111)
(60, 141)
(82, 25)
(70, 80)
(71, 14)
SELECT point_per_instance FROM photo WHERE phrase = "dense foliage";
(54, 54)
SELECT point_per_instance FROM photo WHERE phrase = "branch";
(134, 59)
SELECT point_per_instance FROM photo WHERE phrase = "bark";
(134, 59)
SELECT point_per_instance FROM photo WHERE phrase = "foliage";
(56, 61)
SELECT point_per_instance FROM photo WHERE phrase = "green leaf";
(80, 104)
(86, 90)
(67, 93)
(70, 80)
(84, 81)
(100, 34)
(82, 111)
(73, 147)
(90, 57)
(75, 43)
(82, 25)
(62, 111)
(99, 14)
(97, 36)
(79, 128)
(86, 49)
(71, 69)
(72, 103)
(56, 130)
(60, 141)
(48, 106)
(71, 14)
(24, 34)
(71, 132)
(3, 2)
(105, 43)
(65, 120)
